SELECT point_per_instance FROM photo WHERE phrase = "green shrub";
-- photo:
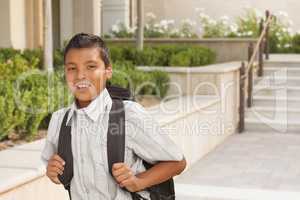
(164, 55)
(161, 80)
(125, 74)
(7, 108)
(296, 43)
(181, 59)
(28, 95)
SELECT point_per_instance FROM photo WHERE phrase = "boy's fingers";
(117, 165)
(123, 177)
(52, 174)
(126, 182)
(57, 164)
(58, 158)
(121, 171)
(55, 170)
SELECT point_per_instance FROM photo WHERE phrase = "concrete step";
(275, 71)
(265, 90)
(267, 125)
(277, 80)
(273, 113)
(282, 64)
(276, 101)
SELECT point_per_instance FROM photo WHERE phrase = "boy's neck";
(82, 104)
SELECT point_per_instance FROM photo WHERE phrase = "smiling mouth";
(82, 86)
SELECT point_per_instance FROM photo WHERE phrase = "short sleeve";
(146, 138)
(50, 146)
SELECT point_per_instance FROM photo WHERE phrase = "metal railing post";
(267, 47)
(250, 77)
(260, 52)
(242, 99)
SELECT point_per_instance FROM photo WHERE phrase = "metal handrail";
(256, 49)
(246, 72)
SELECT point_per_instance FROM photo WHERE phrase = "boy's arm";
(157, 174)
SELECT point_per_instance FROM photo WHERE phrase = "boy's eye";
(71, 68)
(91, 66)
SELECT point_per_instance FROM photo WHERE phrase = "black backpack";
(115, 137)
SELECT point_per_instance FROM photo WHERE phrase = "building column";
(115, 11)
(87, 16)
(34, 24)
(5, 40)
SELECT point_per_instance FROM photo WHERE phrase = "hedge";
(164, 55)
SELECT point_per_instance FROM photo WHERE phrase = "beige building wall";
(22, 21)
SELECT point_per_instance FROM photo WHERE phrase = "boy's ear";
(108, 71)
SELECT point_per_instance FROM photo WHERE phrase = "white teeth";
(82, 85)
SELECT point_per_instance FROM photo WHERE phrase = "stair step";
(264, 90)
(278, 101)
(276, 71)
(267, 125)
(276, 80)
(281, 64)
(272, 113)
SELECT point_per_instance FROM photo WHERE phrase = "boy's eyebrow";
(90, 61)
(70, 63)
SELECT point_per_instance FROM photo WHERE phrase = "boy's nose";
(81, 74)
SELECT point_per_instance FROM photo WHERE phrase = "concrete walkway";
(247, 166)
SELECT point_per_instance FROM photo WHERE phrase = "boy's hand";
(125, 177)
(55, 166)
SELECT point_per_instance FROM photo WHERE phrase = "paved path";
(247, 166)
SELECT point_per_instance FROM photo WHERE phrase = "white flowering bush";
(244, 26)
(281, 34)
(156, 29)
(120, 30)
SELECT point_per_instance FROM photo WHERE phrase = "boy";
(87, 68)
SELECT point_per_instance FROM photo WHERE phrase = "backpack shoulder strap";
(64, 150)
(116, 134)
(116, 138)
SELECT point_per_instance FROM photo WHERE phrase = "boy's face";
(86, 73)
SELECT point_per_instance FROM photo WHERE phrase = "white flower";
(287, 45)
(224, 18)
(171, 22)
(203, 16)
(233, 28)
(188, 22)
(164, 24)
(175, 31)
(249, 33)
(156, 25)
(212, 22)
(150, 15)
(115, 28)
